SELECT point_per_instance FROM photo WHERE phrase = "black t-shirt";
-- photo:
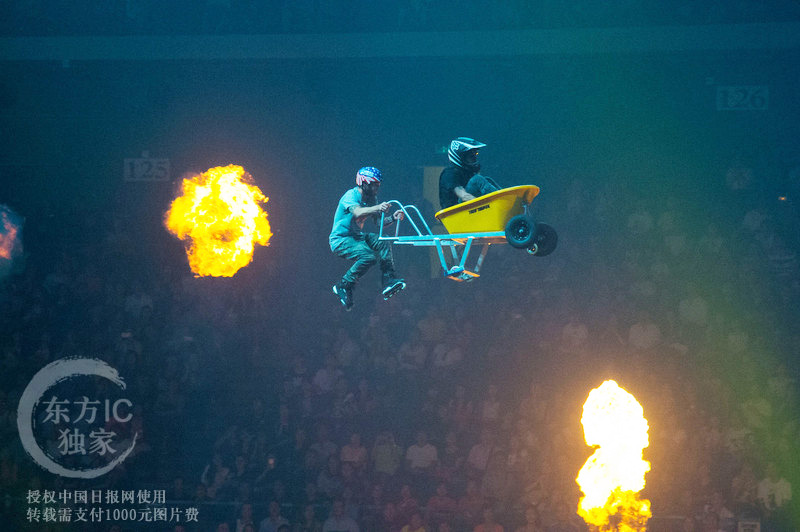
(450, 178)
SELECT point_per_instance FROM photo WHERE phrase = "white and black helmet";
(459, 147)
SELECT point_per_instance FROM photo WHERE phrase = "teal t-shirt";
(344, 223)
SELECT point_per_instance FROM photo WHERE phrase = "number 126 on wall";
(742, 98)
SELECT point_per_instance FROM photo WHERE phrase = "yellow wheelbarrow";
(500, 217)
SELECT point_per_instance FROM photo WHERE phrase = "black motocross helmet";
(463, 152)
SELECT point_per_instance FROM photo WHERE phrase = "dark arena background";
(664, 137)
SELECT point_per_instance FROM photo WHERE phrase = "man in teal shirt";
(349, 240)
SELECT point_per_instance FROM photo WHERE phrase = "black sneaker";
(391, 286)
(345, 294)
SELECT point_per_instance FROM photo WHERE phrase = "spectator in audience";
(391, 521)
(744, 489)
(773, 492)
(470, 505)
(242, 472)
(278, 492)
(488, 523)
(415, 524)
(295, 456)
(448, 355)
(491, 408)
(283, 431)
(479, 454)
(710, 522)
(460, 410)
(564, 518)
(298, 373)
(354, 453)
(495, 484)
(366, 402)
(725, 518)
(308, 521)
(574, 335)
(354, 486)
(693, 314)
(309, 495)
(329, 480)
(326, 376)
(688, 524)
(200, 493)
(407, 504)
(274, 519)
(269, 475)
(421, 458)
(178, 491)
(215, 473)
(412, 353)
(245, 517)
(450, 468)
(644, 335)
(532, 521)
(323, 446)
(349, 351)
(372, 514)
(386, 456)
(338, 521)
(441, 506)
(444, 526)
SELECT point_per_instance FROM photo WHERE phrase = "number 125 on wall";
(146, 169)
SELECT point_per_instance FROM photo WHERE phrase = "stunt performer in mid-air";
(461, 181)
(349, 240)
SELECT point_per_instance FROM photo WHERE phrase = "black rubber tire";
(520, 231)
(546, 239)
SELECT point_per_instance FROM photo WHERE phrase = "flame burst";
(9, 240)
(613, 421)
(219, 217)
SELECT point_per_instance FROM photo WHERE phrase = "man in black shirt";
(461, 181)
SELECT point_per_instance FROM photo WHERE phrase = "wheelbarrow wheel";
(545, 241)
(520, 231)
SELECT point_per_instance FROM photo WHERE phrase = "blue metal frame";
(460, 244)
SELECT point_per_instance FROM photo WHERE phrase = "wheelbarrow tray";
(488, 213)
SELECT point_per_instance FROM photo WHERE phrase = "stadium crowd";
(423, 414)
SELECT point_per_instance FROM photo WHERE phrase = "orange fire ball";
(219, 217)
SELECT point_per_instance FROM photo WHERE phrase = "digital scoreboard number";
(742, 98)
(146, 168)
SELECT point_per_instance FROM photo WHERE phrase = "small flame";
(613, 421)
(8, 236)
(219, 217)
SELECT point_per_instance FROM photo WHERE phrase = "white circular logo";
(50, 375)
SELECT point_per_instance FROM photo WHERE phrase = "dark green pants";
(365, 252)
